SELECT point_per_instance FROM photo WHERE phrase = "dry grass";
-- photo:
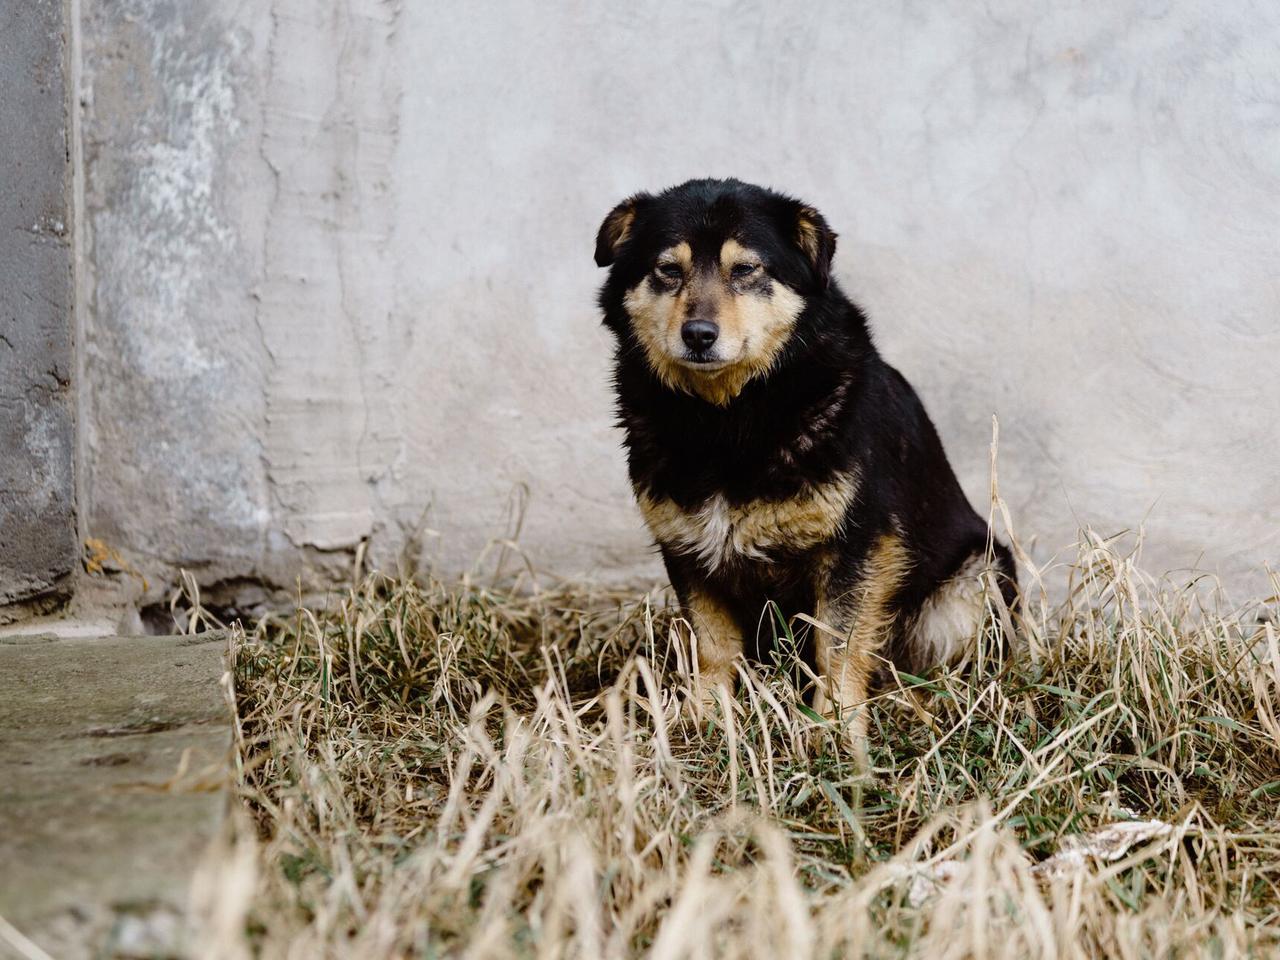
(450, 770)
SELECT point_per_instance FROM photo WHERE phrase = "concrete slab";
(59, 628)
(113, 777)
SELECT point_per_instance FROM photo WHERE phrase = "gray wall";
(342, 283)
(38, 548)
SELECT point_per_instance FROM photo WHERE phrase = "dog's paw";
(706, 700)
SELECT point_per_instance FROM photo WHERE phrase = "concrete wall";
(342, 283)
(38, 547)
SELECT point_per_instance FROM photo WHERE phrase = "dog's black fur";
(827, 406)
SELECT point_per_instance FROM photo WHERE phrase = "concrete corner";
(38, 549)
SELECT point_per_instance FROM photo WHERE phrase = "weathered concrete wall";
(38, 548)
(344, 286)
(175, 364)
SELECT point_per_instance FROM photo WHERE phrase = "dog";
(774, 454)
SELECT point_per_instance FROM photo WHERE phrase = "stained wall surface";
(342, 288)
(38, 549)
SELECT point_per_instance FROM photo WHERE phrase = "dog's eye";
(669, 271)
(741, 271)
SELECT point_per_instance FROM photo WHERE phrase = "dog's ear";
(616, 230)
(816, 241)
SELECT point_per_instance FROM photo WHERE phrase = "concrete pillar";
(38, 542)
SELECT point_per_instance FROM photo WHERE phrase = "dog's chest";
(718, 532)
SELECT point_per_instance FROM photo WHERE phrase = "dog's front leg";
(717, 633)
(845, 665)
(717, 644)
(858, 618)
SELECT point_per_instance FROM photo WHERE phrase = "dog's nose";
(699, 334)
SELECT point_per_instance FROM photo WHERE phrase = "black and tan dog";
(774, 454)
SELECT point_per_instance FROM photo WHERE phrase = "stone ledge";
(113, 766)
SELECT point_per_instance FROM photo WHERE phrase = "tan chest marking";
(718, 532)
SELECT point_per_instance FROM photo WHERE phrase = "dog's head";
(710, 278)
